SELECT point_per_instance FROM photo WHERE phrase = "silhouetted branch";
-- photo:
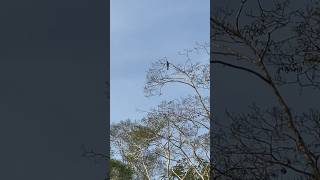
(241, 68)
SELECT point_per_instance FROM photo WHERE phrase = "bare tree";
(279, 46)
(172, 140)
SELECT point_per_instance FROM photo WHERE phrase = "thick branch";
(242, 68)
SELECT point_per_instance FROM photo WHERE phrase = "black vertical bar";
(108, 87)
(211, 93)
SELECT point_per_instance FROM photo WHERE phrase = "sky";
(141, 32)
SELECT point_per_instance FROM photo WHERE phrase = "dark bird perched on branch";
(167, 65)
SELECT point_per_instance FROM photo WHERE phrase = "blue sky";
(143, 31)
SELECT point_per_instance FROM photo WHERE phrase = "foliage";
(119, 170)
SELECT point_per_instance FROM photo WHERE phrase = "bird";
(167, 65)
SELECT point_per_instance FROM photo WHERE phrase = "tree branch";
(242, 68)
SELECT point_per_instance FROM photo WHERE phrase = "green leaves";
(120, 171)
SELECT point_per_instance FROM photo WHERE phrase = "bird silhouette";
(167, 65)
